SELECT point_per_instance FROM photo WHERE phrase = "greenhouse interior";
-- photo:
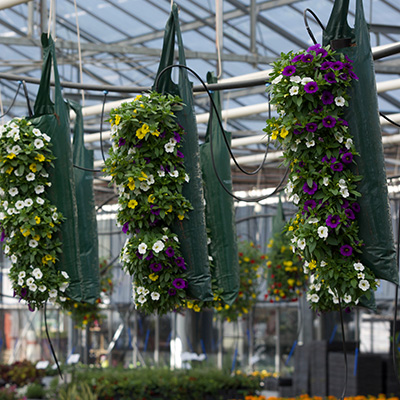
(199, 199)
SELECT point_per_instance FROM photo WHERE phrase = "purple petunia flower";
(347, 66)
(310, 190)
(356, 207)
(337, 167)
(346, 250)
(139, 256)
(347, 158)
(156, 267)
(289, 70)
(353, 75)
(329, 121)
(337, 65)
(345, 204)
(325, 159)
(314, 47)
(343, 76)
(307, 58)
(177, 137)
(309, 205)
(170, 252)
(31, 308)
(121, 142)
(323, 52)
(162, 134)
(150, 256)
(180, 262)
(343, 122)
(296, 58)
(139, 145)
(330, 77)
(311, 127)
(172, 292)
(318, 109)
(297, 132)
(125, 227)
(327, 97)
(179, 283)
(153, 210)
(301, 164)
(333, 221)
(311, 87)
(325, 65)
(350, 213)
(24, 292)
(3, 235)
(348, 59)
(179, 154)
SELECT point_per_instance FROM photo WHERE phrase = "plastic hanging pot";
(374, 220)
(87, 224)
(191, 232)
(53, 119)
(220, 213)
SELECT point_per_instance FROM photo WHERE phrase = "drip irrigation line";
(308, 27)
(86, 169)
(28, 103)
(389, 120)
(106, 202)
(250, 200)
(13, 101)
(50, 343)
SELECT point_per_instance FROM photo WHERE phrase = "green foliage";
(20, 373)
(77, 391)
(35, 391)
(310, 91)
(29, 221)
(147, 166)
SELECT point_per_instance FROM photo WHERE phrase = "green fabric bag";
(220, 213)
(374, 220)
(87, 223)
(191, 232)
(53, 119)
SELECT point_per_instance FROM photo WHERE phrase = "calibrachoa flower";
(29, 223)
(147, 166)
(325, 235)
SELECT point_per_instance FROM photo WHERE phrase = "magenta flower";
(344, 77)
(325, 65)
(177, 137)
(323, 52)
(121, 142)
(330, 77)
(179, 154)
(307, 58)
(153, 210)
(172, 292)
(337, 65)
(327, 97)
(297, 132)
(337, 167)
(353, 75)
(309, 205)
(356, 207)
(329, 121)
(170, 252)
(343, 122)
(179, 283)
(350, 213)
(346, 250)
(311, 87)
(314, 47)
(345, 204)
(333, 221)
(156, 267)
(311, 127)
(310, 190)
(289, 70)
(150, 256)
(180, 262)
(347, 158)
(125, 227)
(296, 58)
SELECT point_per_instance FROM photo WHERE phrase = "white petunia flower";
(142, 248)
(15, 149)
(19, 205)
(63, 287)
(38, 143)
(169, 147)
(141, 299)
(348, 143)
(347, 298)
(54, 216)
(161, 173)
(2, 216)
(47, 138)
(277, 80)
(295, 199)
(64, 274)
(36, 132)
(344, 192)
(314, 298)
(32, 287)
(155, 296)
(14, 258)
(21, 282)
(323, 264)
(39, 200)
(325, 181)
(313, 220)
(310, 143)
(22, 274)
(6, 249)
(305, 80)
(342, 184)
(187, 179)
(174, 174)
(13, 191)
(144, 186)
(323, 232)
(294, 90)
(317, 287)
(61, 298)
(42, 288)
(360, 275)
(33, 243)
(295, 79)
(30, 177)
(30, 281)
(339, 101)
(28, 202)
(176, 239)
(44, 174)
(37, 273)
(140, 290)
(165, 238)
(358, 266)
(39, 189)
(338, 137)
(158, 246)
(53, 293)
(364, 285)
(301, 244)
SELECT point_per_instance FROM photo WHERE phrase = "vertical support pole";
(43, 16)
(251, 340)
(277, 341)
(134, 337)
(156, 339)
(220, 342)
(219, 32)
(253, 25)
(30, 19)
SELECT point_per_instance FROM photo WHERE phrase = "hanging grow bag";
(87, 224)
(191, 232)
(220, 213)
(53, 119)
(374, 220)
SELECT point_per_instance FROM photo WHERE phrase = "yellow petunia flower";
(131, 183)
(189, 304)
(151, 198)
(274, 135)
(180, 216)
(143, 177)
(11, 156)
(33, 168)
(9, 170)
(196, 308)
(132, 204)
(37, 219)
(139, 96)
(284, 132)
(36, 237)
(40, 157)
(117, 119)
(155, 133)
(153, 277)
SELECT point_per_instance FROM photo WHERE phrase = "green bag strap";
(337, 26)
(43, 104)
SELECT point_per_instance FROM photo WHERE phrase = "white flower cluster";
(140, 294)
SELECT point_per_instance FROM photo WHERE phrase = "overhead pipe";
(11, 3)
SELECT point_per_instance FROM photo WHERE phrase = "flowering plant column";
(309, 89)
(147, 166)
(29, 222)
